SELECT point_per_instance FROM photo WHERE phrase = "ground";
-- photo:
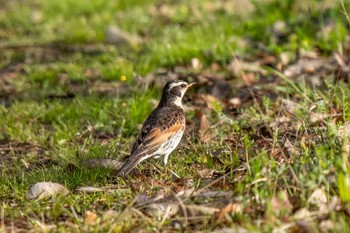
(266, 147)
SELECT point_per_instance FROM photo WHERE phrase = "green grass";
(66, 96)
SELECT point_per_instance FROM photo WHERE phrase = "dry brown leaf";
(196, 64)
(279, 206)
(278, 121)
(318, 199)
(267, 60)
(215, 67)
(231, 208)
(205, 135)
(237, 67)
(326, 226)
(292, 150)
(110, 214)
(207, 100)
(290, 106)
(46, 189)
(341, 62)
(235, 102)
(119, 37)
(90, 217)
(304, 65)
(316, 117)
(248, 79)
(206, 173)
(302, 214)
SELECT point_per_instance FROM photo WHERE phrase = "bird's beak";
(191, 84)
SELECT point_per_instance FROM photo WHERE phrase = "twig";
(183, 207)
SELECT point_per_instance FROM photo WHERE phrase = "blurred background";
(45, 43)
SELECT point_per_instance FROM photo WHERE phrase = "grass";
(67, 96)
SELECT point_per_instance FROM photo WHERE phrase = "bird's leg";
(165, 160)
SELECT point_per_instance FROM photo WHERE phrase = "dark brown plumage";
(162, 130)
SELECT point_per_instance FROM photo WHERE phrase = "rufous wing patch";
(158, 136)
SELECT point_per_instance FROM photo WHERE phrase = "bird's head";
(174, 90)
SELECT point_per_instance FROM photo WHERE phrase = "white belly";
(168, 147)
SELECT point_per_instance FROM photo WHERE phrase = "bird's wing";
(156, 132)
(153, 134)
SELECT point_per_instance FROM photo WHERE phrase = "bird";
(163, 129)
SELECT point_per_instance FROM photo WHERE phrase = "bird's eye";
(183, 85)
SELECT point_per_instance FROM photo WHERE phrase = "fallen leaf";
(206, 173)
(215, 67)
(208, 101)
(290, 106)
(291, 149)
(280, 28)
(248, 79)
(205, 135)
(235, 102)
(284, 58)
(119, 37)
(110, 214)
(279, 206)
(318, 200)
(304, 65)
(278, 121)
(46, 189)
(341, 62)
(196, 64)
(90, 217)
(231, 208)
(237, 67)
(317, 117)
(326, 226)
(302, 214)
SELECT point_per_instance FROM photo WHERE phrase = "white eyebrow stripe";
(176, 84)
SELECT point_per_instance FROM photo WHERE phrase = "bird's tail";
(130, 164)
